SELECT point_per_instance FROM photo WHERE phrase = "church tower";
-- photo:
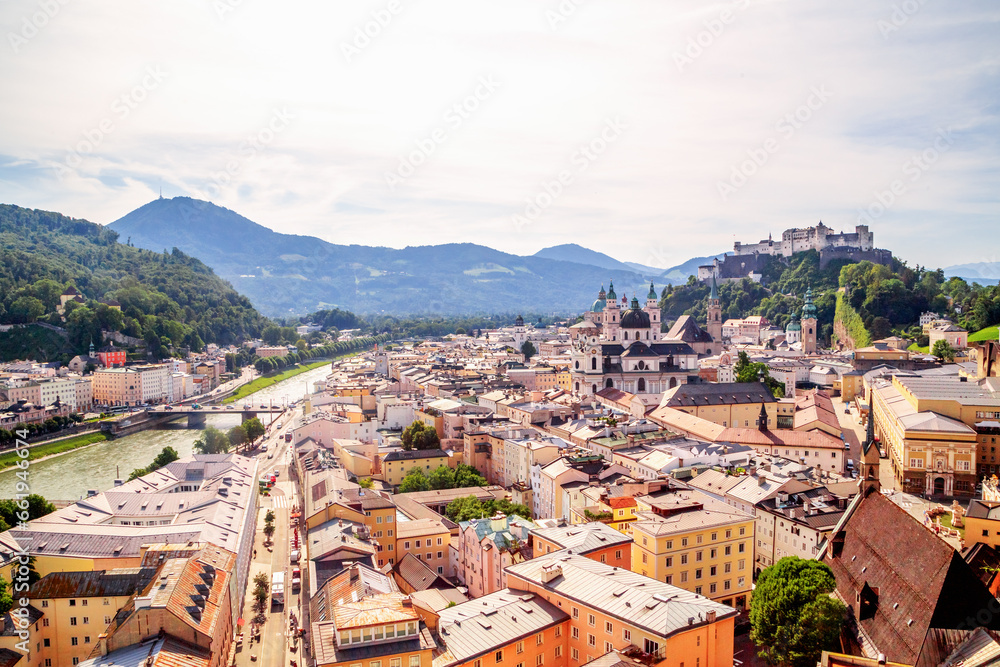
(612, 315)
(868, 480)
(714, 324)
(809, 324)
(653, 308)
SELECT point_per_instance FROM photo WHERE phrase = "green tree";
(212, 441)
(254, 429)
(747, 371)
(366, 483)
(6, 599)
(465, 509)
(466, 476)
(528, 350)
(26, 309)
(167, 455)
(943, 350)
(415, 480)
(442, 477)
(237, 436)
(268, 530)
(37, 507)
(792, 615)
(419, 435)
(269, 517)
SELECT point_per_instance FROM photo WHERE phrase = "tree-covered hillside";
(166, 298)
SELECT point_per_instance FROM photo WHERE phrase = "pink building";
(487, 547)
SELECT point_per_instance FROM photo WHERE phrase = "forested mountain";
(286, 275)
(166, 298)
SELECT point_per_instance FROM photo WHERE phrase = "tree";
(528, 350)
(167, 455)
(792, 614)
(237, 436)
(466, 476)
(943, 350)
(38, 507)
(212, 441)
(6, 599)
(469, 507)
(747, 371)
(442, 477)
(254, 429)
(415, 480)
(419, 435)
(268, 530)
(366, 483)
(269, 517)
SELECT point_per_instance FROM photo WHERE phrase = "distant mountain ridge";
(284, 274)
(984, 273)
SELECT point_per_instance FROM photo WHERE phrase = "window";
(48, 662)
(540, 658)
(558, 651)
(86, 639)
(576, 633)
(86, 620)
(651, 646)
(684, 543)
(697, 556)
(741, 582)
(83, 603)
(697, 573)
(727, 568)
(608, 627)
(398, 662)
(45, 622)
(440, 541)
(725, 584)
(414, 661)
(711, 571)
(576, 613)
(670, 561)
(742, 547)
(591, 620)
(618, 554)
(729, 534)
(697, 590)
(591, 640)
(626, 634)
(558, 632)
(72, 603)
(684, 576)
(712, 553)
(608, 647)
(375, 663)
(539, 638)
(576, 654)
(74, 641)
(45, 603)
(406, 545)
(76, 660)
(498, 656)
(418, 544)
(519, 649)
(711, 588)
(743, 530)
(72, 620)
(728, 551)
(669, 579)
(670, 544)
(697, 539)
(45, 643)
(684, 559)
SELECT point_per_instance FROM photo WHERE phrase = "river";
(69, 476)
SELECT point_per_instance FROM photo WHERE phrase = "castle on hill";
(748, 259)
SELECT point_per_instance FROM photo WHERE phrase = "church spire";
(869, 480)
(714, 294)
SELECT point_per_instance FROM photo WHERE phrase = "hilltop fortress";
(748, 259)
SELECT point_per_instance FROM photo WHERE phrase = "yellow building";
(926, 427)
(564, 379)
(395, 465)
(706, 551)
(982, 523)
(730, 404)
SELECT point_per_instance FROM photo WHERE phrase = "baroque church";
(619, 345)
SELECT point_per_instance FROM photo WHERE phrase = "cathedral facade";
(619, 345)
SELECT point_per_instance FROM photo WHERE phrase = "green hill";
(166, 298)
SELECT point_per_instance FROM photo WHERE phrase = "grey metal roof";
(654, 606)
(484, 624)
(100, 583)
(583, 538)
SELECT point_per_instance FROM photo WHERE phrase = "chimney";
(102, 644)
(550, 572)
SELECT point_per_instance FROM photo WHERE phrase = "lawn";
(270, 379)
(916, 348)
(946, 522)
(989, 333)
(10, 458)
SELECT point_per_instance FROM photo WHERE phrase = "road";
(274, 648)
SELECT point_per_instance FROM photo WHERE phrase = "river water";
(69, 476)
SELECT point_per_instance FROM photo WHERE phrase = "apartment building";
(560, 483)
(397, 464)
(612, 608)
(594, 540)
(796, 524)
(697, 544)
(428, 540)
(487, 547)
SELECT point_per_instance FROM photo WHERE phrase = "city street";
(274, 649)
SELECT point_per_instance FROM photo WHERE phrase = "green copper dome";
(793, 323)
(652, 292)
(598, 306)
(808, 309)
(611, 292)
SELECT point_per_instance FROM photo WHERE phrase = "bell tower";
(868, 481)
(714, 324)
(809, 324)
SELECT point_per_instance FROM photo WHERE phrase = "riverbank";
(9, 459)
(269, 380)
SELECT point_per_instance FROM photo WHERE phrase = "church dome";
(808, 308)
(634, 318)
(793, 324)
(598, 306)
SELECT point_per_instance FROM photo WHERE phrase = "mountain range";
(286, 274)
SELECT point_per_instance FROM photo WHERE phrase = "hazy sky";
(653, 130)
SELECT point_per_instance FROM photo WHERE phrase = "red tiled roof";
(617, 503)
(753, 436)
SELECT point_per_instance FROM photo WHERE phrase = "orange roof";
(753, 436)
(212, 564)
(617, 503)
(374, 610)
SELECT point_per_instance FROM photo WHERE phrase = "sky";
(652, 130)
